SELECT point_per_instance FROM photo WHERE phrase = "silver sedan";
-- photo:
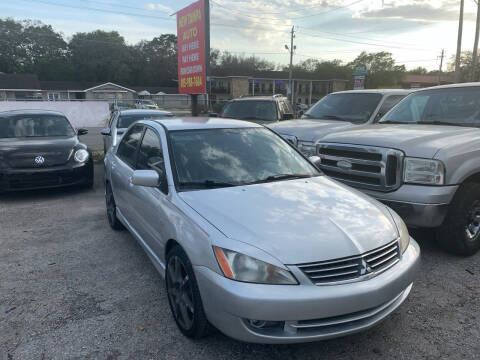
(251, 237)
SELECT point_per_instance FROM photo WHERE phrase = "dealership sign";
(191, 49)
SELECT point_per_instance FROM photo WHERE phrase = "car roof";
(198, 123)
(249, 98)
(377, 91)
(30, 112)
(143, 112)
(452, 86)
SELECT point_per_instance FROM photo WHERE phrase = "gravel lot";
(71, 288)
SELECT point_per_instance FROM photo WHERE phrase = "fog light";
(262, 324)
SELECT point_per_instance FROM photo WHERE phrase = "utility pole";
(475, 44)
(442, 55)
(459, 43)
(291, 49)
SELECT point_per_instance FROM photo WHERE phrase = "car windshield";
(352, 107)
(34, 125)
(448, 106)
(124, 121)
(251, 110)
(232, 157)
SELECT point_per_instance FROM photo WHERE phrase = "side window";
(389, 103)
(127, 149)
(150, 156)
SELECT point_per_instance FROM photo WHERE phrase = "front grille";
(365, 167)
(38, 180)
(346, 269)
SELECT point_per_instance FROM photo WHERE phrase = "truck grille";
(370, 263)
(365, 167)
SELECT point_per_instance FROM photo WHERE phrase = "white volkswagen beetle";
(251, 237)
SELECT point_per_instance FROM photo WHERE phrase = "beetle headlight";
(81, 156)
(307, 148)
(404, 236)
(240, 267)
(423, 171)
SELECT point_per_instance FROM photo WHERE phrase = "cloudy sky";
(415, 31)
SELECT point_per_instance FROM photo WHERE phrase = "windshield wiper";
(395, 122)
(332, 117)
(209, 184)
(254, 118)
(280, 177)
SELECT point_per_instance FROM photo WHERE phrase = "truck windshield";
(233, 157)
(352, 107)
(448, 106)
(34, 125)
(251, 110)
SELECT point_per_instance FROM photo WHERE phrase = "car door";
(152, 214)
(123, 166)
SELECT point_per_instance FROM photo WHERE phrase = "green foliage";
(465, 66)
(382, 71)
(418, 71)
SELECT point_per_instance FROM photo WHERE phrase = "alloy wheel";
(180, 292)
(472, 229)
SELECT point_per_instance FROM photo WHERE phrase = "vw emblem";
(344, 164)
(39, 160)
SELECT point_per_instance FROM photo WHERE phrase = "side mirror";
(287, 116)
(316, 160)
(82, 132)
(378, 117)
(213, 115)
(106, 132)
(147, 178)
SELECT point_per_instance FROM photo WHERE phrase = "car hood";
(21, 152)
(297, 221)
(309, 130)
(414, 140)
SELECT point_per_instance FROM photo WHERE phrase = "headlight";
(307, 148)
(423, 171)
(240, 267)
(81, 156)
(404, 236)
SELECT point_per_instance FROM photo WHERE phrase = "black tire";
(115, 224)
(183, 296)
(460, 232)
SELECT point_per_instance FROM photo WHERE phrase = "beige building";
(222, 87)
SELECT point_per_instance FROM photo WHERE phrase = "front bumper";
(305, 312)
(419, 206)
(48, 177)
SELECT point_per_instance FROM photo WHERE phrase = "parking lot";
(70, 287)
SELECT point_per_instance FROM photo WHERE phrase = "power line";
(283, 19)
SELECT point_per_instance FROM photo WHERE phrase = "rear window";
(35, 125)
(251, 110)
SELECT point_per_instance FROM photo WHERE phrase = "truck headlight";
(404, 236)
(423, 171)
(81, 156)
(240, 267)
(307, 148)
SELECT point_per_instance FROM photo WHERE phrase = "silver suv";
(335, 112)
(422, 159)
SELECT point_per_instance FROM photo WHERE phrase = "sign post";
(193, 48)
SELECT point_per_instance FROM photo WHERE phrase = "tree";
(418, 71)
(382, 71)
(465, 66)
(157, 59)
(101, 56)
(33, 47)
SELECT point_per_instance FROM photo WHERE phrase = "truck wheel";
(460, 232)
